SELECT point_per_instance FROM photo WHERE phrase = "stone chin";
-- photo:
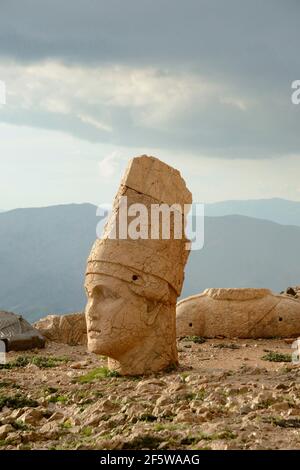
(104, 345)
(98, 345)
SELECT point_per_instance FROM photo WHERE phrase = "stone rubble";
(224, 403)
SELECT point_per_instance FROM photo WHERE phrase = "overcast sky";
(203, 84)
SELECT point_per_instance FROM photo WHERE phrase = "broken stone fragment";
(240, 313)
(293, 291)
(5, 429)
(32, 416)
(68, 329)
(18, 334)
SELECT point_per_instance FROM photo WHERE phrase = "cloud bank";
(208, 77)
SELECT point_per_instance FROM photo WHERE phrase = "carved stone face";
(133, 282)
(116, 316)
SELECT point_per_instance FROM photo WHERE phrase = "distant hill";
(244, 252)
(43, 255)
(277, 210)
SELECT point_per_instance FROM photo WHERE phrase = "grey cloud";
(251, 36)
(217, 133)
(251, 45)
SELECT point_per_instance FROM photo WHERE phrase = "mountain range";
(43, 253)
(277, 210)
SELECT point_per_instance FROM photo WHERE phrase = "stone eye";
(104, 293)
(134, 277)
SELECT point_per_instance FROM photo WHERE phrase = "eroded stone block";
(241, 313)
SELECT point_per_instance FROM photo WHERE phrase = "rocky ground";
(223, 396)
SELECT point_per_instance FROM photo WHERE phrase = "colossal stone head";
(135, 273)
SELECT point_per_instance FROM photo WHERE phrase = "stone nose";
(91, 310)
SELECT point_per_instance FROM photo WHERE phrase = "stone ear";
(153, 309)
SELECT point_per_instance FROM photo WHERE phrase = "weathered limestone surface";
(241, 313)
(132, 284)
(68, 329)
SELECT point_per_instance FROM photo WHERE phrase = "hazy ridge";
(43, 253)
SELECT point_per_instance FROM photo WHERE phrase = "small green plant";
(189, 440)
(25, 447)
(87, 431)
(58, 399)
(19, 425)
(17, 401)
(162, 426)
(171, 368)
(47, 361)
(66, 424)
(148, 418)
(286, 423)
(169, 416)
(206, 437)
(264, 404)
(169, 426)
(50, 390)
(184, 376)
(226, 434)
(194, 339)
(159, 427)
(197, 396)
(277, 357)
(147, 441)
(226, 346)
(4, 384)
(42, 362)
(97, 374)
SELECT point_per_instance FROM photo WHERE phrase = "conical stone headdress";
(147, 181)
